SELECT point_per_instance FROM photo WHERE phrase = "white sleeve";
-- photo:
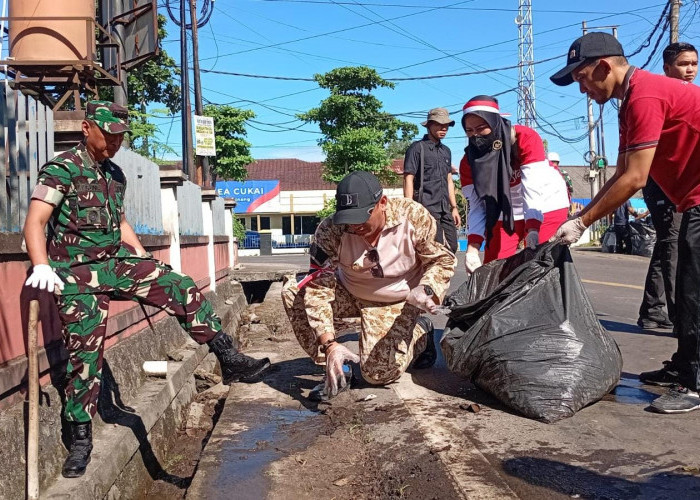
(476, 218)
(543, 190)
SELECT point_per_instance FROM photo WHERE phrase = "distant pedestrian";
(621, 224)
(377, 259)
(514, 193)
(554, 161)
(681, 62)
(427, 177)
(659, 136)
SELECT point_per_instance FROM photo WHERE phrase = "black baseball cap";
(356, 194)
(595, 44)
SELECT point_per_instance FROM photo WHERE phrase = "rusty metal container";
(49, 36)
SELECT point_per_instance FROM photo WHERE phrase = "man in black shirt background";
(427, 177)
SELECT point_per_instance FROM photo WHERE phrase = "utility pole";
(107, 12)
(673, 17)
(202, 162)
(591, 138)
(526, 68)
(187, 165)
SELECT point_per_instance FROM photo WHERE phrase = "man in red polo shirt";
(659, 136)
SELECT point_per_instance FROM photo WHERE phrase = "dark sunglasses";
(376, 269)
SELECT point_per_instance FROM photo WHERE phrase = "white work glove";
(44, 278)
(336, 356)
(569, 232)
(532, 239)
(422, 300)
(473, 261)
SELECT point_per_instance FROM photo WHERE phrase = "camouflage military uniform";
(86, 251)
(390, 339)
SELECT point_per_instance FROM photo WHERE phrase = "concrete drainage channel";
(261, 436)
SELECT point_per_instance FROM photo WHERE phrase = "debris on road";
(368, 397)
(472, 407)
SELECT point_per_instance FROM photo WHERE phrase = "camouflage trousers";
(389, 337)
(83, 306)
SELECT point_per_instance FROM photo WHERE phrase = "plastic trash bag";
(523, 330)
(608, 243)
(643, 238)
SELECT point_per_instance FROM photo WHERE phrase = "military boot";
(427, 358)
(80, 448)
(236, 366)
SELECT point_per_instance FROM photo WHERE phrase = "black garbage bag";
(608, 243)
(523, 330)
(643, 236)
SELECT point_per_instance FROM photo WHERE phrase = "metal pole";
(591, 136)
(202, 162)
(673, 17)
(187, 166)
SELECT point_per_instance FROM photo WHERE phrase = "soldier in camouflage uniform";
(377, 259)
(91, 255)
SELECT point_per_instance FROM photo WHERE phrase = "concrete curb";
(115, 444)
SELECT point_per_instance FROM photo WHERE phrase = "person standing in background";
(681, 62)
(427, 177)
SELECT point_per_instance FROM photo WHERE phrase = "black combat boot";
(236, 366)
(80, 448)
(427, 358)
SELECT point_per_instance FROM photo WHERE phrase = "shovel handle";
(33, 384)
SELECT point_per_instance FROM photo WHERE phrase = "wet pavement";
(417, 438)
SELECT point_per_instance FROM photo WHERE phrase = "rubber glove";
(421, 299)
(569, 232)
(473, 261)
(44, 278)
(532, 239)
(336, 356)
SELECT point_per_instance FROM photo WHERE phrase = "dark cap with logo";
(110, 117)
(590, 45)
(355, 196)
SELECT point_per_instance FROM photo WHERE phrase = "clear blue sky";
(406, 38)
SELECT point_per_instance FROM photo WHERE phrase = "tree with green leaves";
(232, 149)
(357, 134)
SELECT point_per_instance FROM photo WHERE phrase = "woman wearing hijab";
(513, 191)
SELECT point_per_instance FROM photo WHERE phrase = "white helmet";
(553, 156)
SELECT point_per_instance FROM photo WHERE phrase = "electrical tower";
(526, 68)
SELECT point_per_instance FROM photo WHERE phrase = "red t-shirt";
(664, 112)
(530, 149)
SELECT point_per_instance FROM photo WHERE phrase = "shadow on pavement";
(617, 326)
(440, 380)
(579, 482)
(293, 376)
(112, 410)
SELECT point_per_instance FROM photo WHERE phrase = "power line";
(408, 78)
(446, 7)
(318, 35)
(647, 41)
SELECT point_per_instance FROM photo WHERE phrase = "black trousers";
(623, 239)
(687, 358)
(446, 230)
(659, 287)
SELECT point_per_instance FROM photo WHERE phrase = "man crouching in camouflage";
(92, 255)
(375, 258)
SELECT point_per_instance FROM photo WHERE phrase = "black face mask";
(481, 144)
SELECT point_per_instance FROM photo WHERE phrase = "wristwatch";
(324, 347)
